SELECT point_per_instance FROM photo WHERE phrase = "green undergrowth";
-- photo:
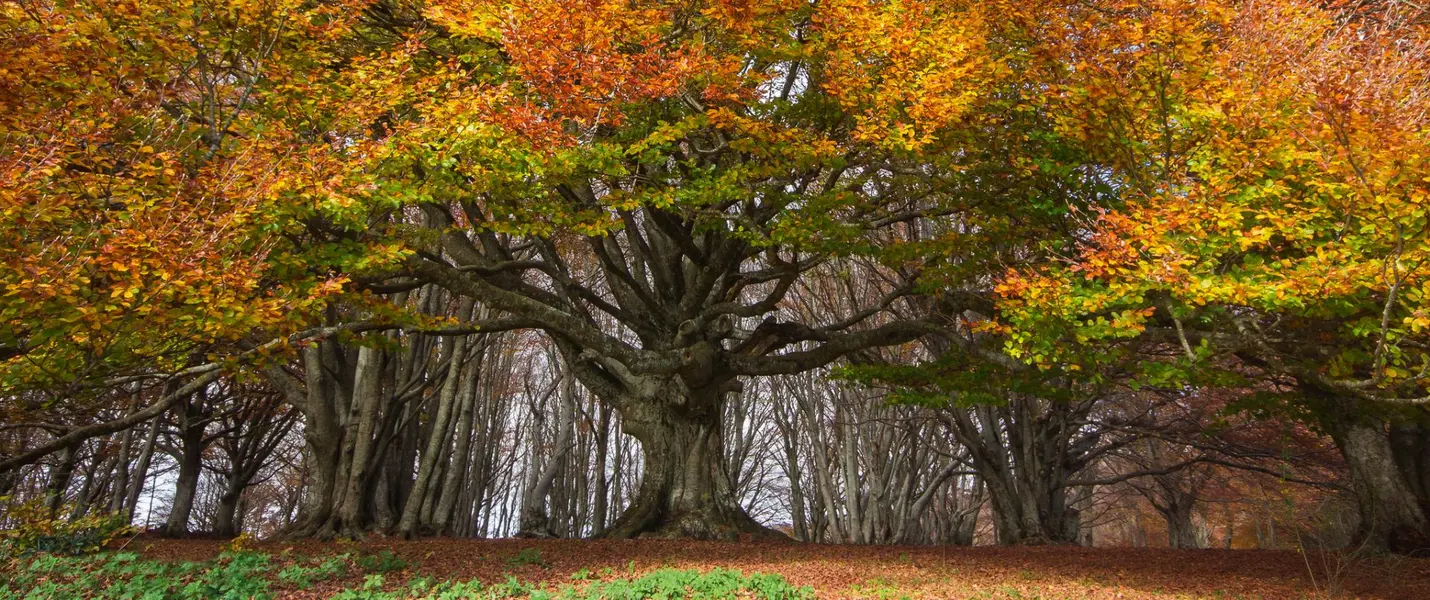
(249, 575)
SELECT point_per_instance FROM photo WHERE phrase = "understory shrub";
(304, 575)
(32, 527)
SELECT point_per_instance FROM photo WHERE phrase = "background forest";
(1097, 272)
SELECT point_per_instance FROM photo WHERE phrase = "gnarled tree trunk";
(322, 436)
(1386, 453)
(685, 491)
(1392, 516)
(1181, 529)
(1021, 453)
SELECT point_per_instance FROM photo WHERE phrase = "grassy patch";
(526, 556)
(245, 575)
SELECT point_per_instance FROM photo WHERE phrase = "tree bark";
(87, 492)
(226, 515)
(456, 473)
(599, 511)
(322, 436)
(141, 471)
(1020, 452)
(438, 440)
(849, 444)
(191, 434)
(60, 479)
(347, 519)
(965, 519)
(935, 484)
(1392, 517)
(535, 521)
(119, 488)
(1181, 529)
(822, 469)
(684, 490)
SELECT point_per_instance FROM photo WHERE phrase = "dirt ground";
(890, 572)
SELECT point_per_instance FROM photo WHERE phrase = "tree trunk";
(822, 469)
(916, 511)
(1410, 443)
(789, 438)
(684, 490)
(1392, 517)
(226, 517)
(599, 512)
(438, 440)
(60, 479)
(849, 443)
(1181, 530)
(119, 488)
(456, 473)
(535, 521)
(141, 471)
(965, 519)
(618, 471)
(86, 490)
(358, 444)
(323, 442)
(190, 463)
(191, 456)
(1025, 470)
(1230, 526)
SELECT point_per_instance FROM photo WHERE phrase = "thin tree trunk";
(789, 438)
(141, 471)
(358, 445)
(850, 446)
(60, 479)
(456, 474)
(534, 521)
(119, 486)
(191, 435)
(438, 440)
(599, 512)
(823, 468)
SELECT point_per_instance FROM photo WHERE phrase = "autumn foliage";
(1271, 157)
(147, 177)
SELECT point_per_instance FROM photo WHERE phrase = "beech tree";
(645, 183)
(1273, 214)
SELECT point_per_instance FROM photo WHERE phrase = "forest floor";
(873, 571)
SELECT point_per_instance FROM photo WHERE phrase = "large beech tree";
(646, 183)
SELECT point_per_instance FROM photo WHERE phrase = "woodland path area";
(836, 571)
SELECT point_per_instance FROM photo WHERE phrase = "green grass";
(244, 575)
(526, 556)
